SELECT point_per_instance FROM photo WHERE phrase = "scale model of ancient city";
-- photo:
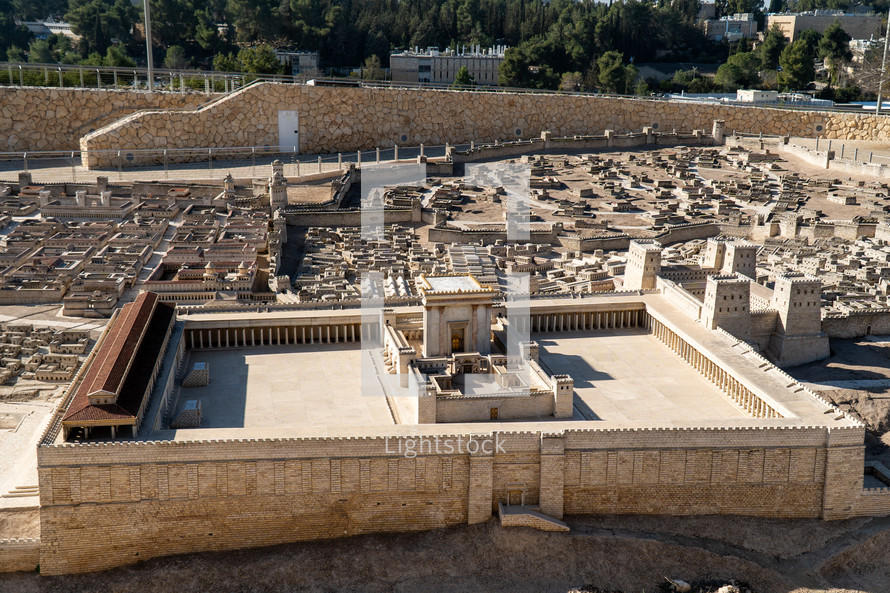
(474, 307)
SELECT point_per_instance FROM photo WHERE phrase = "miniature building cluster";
(194, 245)
(284, 372)
(40, 354)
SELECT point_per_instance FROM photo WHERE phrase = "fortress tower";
(727, 305)
(740, 258)
(643, 264)
(277, 167)
(715, 253)
(798, 337)
(277, 191)
(229, 187)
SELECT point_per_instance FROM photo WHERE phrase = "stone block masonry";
(19, 554)
(347, 119)
(103, 505)
(37, 119)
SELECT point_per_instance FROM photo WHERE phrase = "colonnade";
(581, 320)
(713, 372)
(241, 337)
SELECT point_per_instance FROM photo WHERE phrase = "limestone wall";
(35, 118)
(344, 119)
(338, 218)
(857, 324)
(108, 504)
(104, 506)
(19, 554)
(733, 475)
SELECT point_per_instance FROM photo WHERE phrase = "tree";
(834, 48)
(116, 56)
(571, 81)
(613, 75)
(463, 78)
(12, 35)
(528, 66)
(797, 65)
(254, 20)
(40, 52)
(30, 10)
(739, 71)
(259, 60)
(867, 74)
(774, 42)
(100, 21)
(372, 69)
(642, 88)
(226, 63)
(176, 58)
(15, 54)
(811, 38)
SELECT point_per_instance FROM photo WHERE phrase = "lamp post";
(148, 54)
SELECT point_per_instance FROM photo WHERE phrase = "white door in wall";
(288, 129)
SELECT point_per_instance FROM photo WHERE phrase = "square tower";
(715, 252)
(456, 314)
(740, 258)
(643, 264)
(797, 298)
(727, 305)
(798, 338)
(277, 191)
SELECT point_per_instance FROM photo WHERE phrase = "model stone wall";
(19, 554)
(108, 504)
(344, 119)
(35, 118)
(856, 324)
(103, 506)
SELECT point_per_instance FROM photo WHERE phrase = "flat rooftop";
(630, 376)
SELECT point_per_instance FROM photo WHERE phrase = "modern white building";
(441, 67)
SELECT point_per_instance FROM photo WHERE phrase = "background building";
(857, 25)
(731, 28)
(298, 62)
(437, 67)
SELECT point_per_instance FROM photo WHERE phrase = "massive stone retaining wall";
(36, 118)
(344, 119)
(108, 504)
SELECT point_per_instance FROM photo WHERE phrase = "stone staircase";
(22, 492)
(526, 516)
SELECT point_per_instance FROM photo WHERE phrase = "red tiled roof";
(109, 367)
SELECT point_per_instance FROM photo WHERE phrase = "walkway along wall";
(334, 119)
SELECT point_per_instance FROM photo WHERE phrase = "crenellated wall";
(103, 505)
(19, 554)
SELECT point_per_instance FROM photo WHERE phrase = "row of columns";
(238, 337)
(582, 320)
(711, 371)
